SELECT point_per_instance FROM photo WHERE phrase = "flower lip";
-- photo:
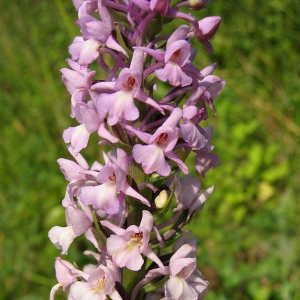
(161, 139)
(137, 238)
(100, 286)
(178, 52)
(113, 177)
(175, 54)
(130, 83)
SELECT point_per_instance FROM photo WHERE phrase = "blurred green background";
(249, 231)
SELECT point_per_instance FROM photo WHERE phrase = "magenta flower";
(120, 103)
(212, 87)
(207, 91)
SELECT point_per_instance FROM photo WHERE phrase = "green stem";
(136, 176)
(135, 209)
(131, 279)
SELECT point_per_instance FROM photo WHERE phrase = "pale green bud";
(161, 199)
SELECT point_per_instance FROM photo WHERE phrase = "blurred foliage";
(248, 232)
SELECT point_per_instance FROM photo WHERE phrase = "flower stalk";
(134, 209)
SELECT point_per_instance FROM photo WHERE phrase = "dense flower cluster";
(134, 208)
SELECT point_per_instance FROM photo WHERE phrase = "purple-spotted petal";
(171, 140)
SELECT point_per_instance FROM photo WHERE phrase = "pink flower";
(187, 191)
(207, 29)
(191, 132)
(112, 178)
(64, 276)
(99, 285)
(160, 145)
(176, 56)
(185, 281)
(91, 120)
(127, 245)
(205, 160)
(160, 6)
(95, 33)
(119, 104)
(78, 221)
(180, 268)
(77, 174)
(78, 83)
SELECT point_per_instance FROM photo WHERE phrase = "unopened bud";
(208, 27)
(198, 4)
(161, 199)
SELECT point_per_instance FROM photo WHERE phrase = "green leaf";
(155, 284)
(122, 42)
(154, 27)
(121, 17)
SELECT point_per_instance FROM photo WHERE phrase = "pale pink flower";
(64, 276)
(126, 245)
(159, 145)
(100, 284)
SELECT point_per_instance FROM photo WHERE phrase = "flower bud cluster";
(135, 207)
